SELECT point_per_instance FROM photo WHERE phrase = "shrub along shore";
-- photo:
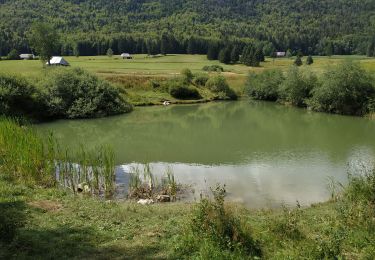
(41, 215)
(65, 93)
(345, 89)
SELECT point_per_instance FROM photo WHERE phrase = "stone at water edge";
(145, 202)
(83, 187)
(163, 198)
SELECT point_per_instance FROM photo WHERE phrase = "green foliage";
(297, 87)
(74, 93)
(309, 60)
(345, 89)
(298, 61)
(200, 79)
(225, 55)
(213, 68)
(265, 85)
(44, 39)
(371, 48)
(287, 226)
(13, 55)
(289, 53)
(345, 24)
(235, 54)
(212, 51)
(251, 56)
(178, 89)
(30, 159)
(216, 232)
(219, 86)
(109, 52)
(187, 76)
(17, 96)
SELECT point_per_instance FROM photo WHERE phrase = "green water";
(266, 154)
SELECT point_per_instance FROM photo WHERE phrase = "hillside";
(345, 26)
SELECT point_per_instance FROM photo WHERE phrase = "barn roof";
(58, 61)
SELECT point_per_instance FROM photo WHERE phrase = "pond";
(266, 154)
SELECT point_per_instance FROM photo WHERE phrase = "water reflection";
(267, 154)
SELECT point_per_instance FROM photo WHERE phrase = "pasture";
(134, 75)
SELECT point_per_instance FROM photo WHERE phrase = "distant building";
(27, 56)
(126, 56)
(58, 61)
(280, 54)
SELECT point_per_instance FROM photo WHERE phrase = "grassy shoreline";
(42, 220)
(52, 223)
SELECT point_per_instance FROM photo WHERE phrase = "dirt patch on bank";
(46, 205)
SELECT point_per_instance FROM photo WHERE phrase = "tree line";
(91, 27)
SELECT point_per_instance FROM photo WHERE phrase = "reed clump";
(143, 184)
(28, 158)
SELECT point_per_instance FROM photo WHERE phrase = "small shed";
(280, 54)
(58, 61)
(126, 56)
(27, 56)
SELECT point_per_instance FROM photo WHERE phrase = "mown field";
(135, 75)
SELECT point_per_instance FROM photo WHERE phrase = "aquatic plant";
(28, 158)
(150, 187)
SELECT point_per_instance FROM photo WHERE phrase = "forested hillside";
(90, 27)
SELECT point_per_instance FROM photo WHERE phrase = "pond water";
(266, 154)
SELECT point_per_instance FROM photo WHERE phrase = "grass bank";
(50, 223)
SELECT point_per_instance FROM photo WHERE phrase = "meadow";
(135, 75)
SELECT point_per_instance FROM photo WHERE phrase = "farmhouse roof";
(26, 55)
(58, 61)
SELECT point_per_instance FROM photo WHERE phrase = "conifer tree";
(298, 61)
(109, 52)
(212, 52)
(224, 55)
(235, 54)
(309, 60)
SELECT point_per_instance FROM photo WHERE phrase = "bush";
(347, 89)
(17, 96)
(215, 232)
(200, 79)
(264, 86)
(213, 68)
(13, 55)
(297, 86)
(179, 90)
(219, 86)
(74, 93)
(187, 76)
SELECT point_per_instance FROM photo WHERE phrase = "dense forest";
(91, 27)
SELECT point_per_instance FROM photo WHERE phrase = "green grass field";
(142, 69)
(169, 65)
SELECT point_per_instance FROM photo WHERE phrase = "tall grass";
(28, 158)
(214, 230)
